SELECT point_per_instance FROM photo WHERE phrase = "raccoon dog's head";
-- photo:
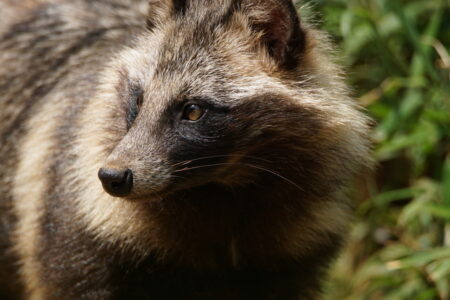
(232, 94)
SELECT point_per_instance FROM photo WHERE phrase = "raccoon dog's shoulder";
(173, 149)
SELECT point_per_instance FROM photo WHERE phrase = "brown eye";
(193, 112)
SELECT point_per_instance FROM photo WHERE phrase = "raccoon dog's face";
(205, 97)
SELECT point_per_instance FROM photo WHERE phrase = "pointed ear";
(161, 10)
(278, 24)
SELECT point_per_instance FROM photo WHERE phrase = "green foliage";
(397, 55)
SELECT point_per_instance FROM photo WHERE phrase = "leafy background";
(397, 56)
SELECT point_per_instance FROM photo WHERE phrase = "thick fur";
(250, 202)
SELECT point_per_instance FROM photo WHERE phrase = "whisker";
(218, 156)
(245, 164)
(276, 174)
(203, 166)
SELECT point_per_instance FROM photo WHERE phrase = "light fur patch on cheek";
(29, 190)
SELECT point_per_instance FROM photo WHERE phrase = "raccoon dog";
(171, 149)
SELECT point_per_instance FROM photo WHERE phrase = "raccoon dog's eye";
(193, 112)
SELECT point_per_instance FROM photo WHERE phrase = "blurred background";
(396, 53)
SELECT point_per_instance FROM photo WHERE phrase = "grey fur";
(252, 205)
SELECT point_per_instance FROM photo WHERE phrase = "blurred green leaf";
(440, 211)
(387, 197)
(422, 258)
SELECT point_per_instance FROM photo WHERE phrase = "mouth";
(177, 192)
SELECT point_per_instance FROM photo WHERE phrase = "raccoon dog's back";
(171, 150)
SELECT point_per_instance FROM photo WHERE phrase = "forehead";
(206, 55)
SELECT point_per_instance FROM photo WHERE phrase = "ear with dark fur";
(160, 10)
(279, 24)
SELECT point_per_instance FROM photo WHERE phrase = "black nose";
(118, 183)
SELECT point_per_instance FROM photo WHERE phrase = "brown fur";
(250, 202)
